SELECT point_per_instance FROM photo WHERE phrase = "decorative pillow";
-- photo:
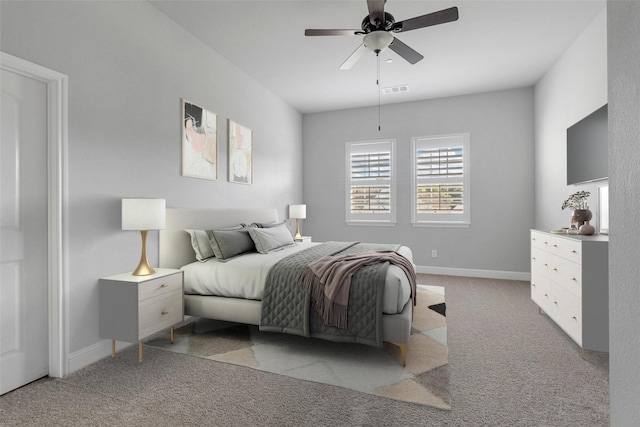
(201, 245)
(230, 242)
(269, 239)
(265, 224)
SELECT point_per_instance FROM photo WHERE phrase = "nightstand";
(135, 307)
(305, 239)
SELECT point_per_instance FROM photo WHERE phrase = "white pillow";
(201, 245)
(269, 239)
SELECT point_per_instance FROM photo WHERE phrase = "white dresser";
(569, 282)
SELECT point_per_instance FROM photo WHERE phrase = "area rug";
(377, 371)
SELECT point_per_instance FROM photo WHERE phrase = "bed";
(225, 301)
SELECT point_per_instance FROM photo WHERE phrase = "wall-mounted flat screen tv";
(587, 151)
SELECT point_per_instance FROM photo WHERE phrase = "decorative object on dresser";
(578, 203)
(134, 307)
(569, 282)
(143, 215)
(297, 212)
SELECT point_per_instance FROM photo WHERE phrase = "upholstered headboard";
(175, 244)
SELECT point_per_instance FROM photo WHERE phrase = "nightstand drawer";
(160, 312)
(159, 286)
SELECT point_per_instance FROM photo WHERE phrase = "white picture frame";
(603, 209)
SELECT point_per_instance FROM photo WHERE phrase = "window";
(441, 191)
(370, 183)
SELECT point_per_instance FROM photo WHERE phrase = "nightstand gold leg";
(113, 348)
(582, 353)
(171, 335)
(140, 352)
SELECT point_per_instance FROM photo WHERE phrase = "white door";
(24, 347)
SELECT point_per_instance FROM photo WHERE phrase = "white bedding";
(245, 276)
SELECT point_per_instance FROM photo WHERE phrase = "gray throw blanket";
(286, 306)
(329, 281)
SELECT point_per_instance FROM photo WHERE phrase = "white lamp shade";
(143, 214)
(298, 211)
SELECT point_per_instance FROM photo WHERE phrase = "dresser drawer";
(540, 291)
(161, 285)
(566, 248)
(159, 312)
(538, 240)
(568, 275)
(540, 261)
(566, 310)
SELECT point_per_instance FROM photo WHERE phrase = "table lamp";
(298, 212)
(143, 215)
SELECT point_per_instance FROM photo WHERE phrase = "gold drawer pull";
(164, 313)
(164, 285)
(546, 265)
(546, 295)
(574, 251)
(574, 317)
(555, 246)
(555, 302)
(533, 284)
(546, 243)
(555, 269)
(533, 258)
(574, 279)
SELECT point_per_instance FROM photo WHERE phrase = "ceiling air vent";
(395, 89)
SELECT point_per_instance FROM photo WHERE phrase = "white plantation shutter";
(441, 180)
(370, 182)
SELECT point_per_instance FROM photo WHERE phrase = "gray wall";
(501, 149)
(128, 67)
(574, 87)
(624, 161)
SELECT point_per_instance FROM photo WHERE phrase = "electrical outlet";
(434, 253)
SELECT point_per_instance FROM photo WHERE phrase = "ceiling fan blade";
(435, 18)
(376, 11)
(353, 58)
(332, 32)
(405, 51)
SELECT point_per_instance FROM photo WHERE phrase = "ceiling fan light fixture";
(377, 41)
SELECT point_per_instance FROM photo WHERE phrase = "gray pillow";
(269, 239)
(227, 243)
(201, 245)
(266, 224)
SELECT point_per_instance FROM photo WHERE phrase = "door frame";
(57, 204)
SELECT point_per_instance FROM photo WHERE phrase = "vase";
(580, 216)
(586, 229)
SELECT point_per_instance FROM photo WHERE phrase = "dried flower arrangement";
(577, 201)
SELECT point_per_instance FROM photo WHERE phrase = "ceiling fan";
(377, 28)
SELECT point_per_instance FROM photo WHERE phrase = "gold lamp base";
(144, 269)
(298, 235)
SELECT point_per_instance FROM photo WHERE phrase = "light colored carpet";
(377, 371)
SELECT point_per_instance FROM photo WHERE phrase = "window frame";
(378, 218)
(441, 219)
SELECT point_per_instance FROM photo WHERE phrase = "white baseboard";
(469, 272)
(91, 354)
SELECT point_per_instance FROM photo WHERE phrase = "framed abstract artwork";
(240, 153)
(199, 142)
